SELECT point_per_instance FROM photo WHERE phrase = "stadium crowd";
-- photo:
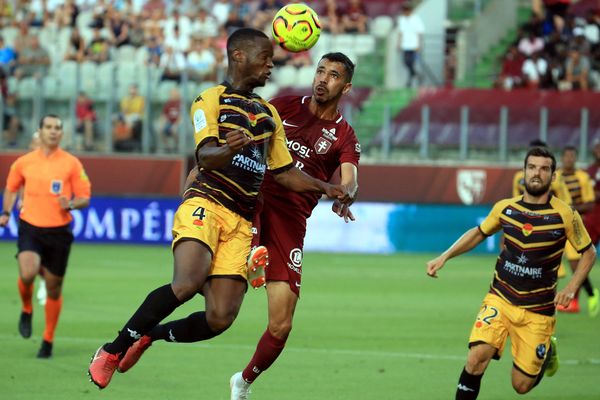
(558, 48)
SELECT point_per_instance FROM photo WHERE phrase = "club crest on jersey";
(322, 145)
(527, 229)
(252, 119)
(56, 186)
(329, 134)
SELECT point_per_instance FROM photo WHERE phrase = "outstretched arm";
(585, 264)
(349, 179)
(297, 181)
(466, 242)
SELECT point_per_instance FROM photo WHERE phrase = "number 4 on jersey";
(199, 214)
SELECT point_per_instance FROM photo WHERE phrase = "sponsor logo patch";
(540, 351)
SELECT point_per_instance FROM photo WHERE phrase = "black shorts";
(52, 244)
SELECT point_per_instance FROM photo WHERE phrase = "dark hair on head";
(344, 60)
(241, 37)
(569, 148)
(541, 152)
(537, 143)
(49, 116)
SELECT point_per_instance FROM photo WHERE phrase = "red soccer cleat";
(134, 353)
(573, 307)
(102, 367)
(258, 260)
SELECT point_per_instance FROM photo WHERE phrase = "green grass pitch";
(366, 327)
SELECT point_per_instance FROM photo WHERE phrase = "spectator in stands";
(265, 12)
(354, 17)
(178, 21)
(153, 25)
(136, 31)
(33, 60)
(201, 61)
(330, 19)
(66, 14)
(169, 121)
(205, 24)
(153, 8)
(6, 13)
(75, 50)
(98, 49)
(577, 72)
(154, 49)
(531, 44)
(410, 39)
(592, 27)
(85, 119)
(23, 38)
(128, 127)
(536, 72)
(8, 57)
(172, 63)
(178, 41)
(556, 11)
(239, 14)
(11, 123)
(511, 75)
(118, 29)
(98, 14)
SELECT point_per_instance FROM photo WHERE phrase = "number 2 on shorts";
(487, 314)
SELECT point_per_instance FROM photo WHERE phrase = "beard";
(536, 192)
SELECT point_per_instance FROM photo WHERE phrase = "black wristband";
(7, 213)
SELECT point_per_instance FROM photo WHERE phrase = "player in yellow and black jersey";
(523, 293)
(581, 189)
(238, 136)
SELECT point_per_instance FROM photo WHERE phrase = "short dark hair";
(537, 143)
(41, 124)
(569, 148)
(241, 36)
(541, 152)
(344, 60)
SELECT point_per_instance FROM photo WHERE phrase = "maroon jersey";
(591, 219)
(317, 146)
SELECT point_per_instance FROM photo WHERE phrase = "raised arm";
(295, 180)
(211, 156)
(465, 243)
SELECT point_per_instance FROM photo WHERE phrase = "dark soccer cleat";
(134, 353)
(102, 367)
(258, 260)
(25, 324)
(45, 350)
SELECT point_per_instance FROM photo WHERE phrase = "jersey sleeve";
(15, 178)
(278, 157)
(350, 151)
(205, 114)
(577, 235)
(81, 184)
(587, 188)
(491, 224)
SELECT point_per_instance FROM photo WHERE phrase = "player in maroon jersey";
(320, 140)
(592, 219)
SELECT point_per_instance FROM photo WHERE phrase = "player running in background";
(320, 141)
(237, 134)
(54, 182)
(522, 297)
(581, 189)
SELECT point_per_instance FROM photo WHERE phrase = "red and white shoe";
(102, 367)
(258, 260)
(134, 353)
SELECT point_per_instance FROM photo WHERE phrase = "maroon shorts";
(282, 233)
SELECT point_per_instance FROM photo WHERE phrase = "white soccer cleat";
(240, 389)
(41, 293)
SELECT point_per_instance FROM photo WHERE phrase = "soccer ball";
(296, 27)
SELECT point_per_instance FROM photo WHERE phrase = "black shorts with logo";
(52, 244)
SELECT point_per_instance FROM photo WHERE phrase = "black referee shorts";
(52, 244)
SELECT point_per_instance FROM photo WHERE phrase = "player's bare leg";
(29, 266)
(478, 359)
(281, 306)
(192, 262)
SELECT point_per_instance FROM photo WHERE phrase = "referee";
(54, 183)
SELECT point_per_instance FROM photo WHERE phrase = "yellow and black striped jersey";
(534, 239)
(579, 184)
(558, 187)
(219, 110)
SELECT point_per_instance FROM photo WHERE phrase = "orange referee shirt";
(45, 179)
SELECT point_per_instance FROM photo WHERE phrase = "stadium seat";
(128, 72)
(305, 77)
(286, 76)
(89, 76)
(9, 34)
(127, 53)
(365, 44)
(51, 87)
(343, 42)
(322, 46)
(164, 89)
(27, 88)
(268, 91)
(382, 26)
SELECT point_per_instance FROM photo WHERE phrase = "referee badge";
(56, 186)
